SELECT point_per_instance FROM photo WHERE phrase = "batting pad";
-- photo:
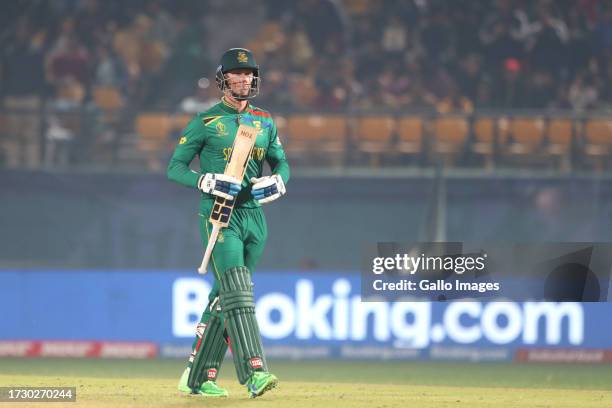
(239, 313)
(210, 353)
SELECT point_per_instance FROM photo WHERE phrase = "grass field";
(129, 383)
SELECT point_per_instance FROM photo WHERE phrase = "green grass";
(120, 383)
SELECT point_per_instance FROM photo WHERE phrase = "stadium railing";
(110, 135)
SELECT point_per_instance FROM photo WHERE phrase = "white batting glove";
(219, 185)
(269, 188)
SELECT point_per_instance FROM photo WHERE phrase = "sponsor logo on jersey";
(182, 140)
(256, 362)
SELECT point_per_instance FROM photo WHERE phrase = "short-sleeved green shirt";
(210, 136)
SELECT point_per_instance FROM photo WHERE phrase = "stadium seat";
(410, 135)
(598, 141)
(489, 133)
(449, 137)
(153, 131)
(560, 134)
(181, 120)
(373, 136)
(524, 143)
(314, 136)
(107, 98)
(527, 135)
(484, 135)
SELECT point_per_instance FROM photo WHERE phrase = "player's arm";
(190, 144)
(266, 189)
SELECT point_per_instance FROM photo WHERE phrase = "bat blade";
(236, 167)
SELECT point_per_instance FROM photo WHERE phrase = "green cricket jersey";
(210, 135)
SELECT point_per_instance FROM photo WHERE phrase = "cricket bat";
(235, 167)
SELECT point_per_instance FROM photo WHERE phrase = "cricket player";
(209, 136)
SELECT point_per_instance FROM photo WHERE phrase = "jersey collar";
(230, 109)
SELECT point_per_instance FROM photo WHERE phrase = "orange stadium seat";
(525, 142)
(598, 141)
(527, 135)
(181, 120)
(410, 135)
(598, 132)
(486, 129)
(310, 136)
(449, 137)
(107, 98)
(560, 133)
(373, 136)
(484, 133)
(153, 131)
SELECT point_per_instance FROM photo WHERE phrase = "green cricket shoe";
(211, 389)
(260, 382)
(207, 389)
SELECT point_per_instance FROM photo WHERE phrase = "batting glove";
(219, 185)
(269, 188)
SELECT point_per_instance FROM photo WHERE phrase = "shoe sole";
(202, 394)
(272, 384)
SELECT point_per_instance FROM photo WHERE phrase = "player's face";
(239, 81)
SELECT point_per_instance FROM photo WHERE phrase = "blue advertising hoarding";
(305, 309)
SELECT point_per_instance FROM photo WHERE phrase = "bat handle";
(212, 240)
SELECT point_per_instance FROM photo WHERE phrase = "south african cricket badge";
(257, 124)
(242, 57)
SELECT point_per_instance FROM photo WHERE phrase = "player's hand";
(219, 185)
(269, 188)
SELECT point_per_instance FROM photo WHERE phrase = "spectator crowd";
(452, 55)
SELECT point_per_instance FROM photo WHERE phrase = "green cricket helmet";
(234, 59)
